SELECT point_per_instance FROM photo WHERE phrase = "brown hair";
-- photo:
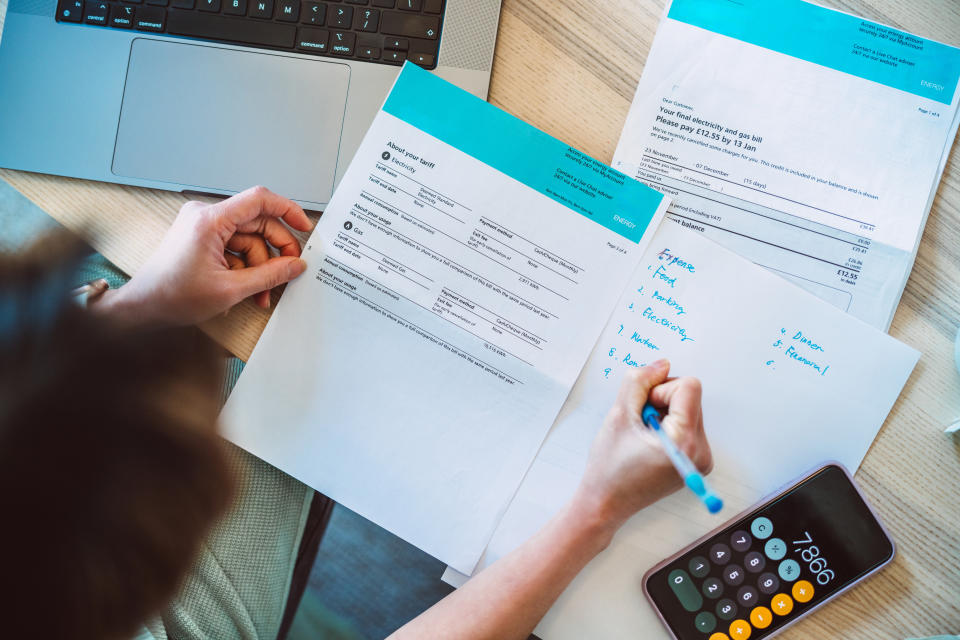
(111, 471)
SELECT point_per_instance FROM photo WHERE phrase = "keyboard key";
(368, 20)
(212, 6)
(288, 10)
(122, 17)
(396, 43)
(356, 1)
(395, 56)
(157, 3)
(341, 17)
(432, 6)
(133, 1)
(262, 9)
(204, 25)
(150, 19)
(387, 4)
(313, 13)
(410, 5)
(395, 23)
(70, 10)
(343, 43)
(235, 7)
(315, 40)
(97, 12)
(182, 4)
(368, 53)
(775, 548)
(422, 59)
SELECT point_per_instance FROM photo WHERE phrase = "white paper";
(788, 383)
(412, 373)
(821, 176)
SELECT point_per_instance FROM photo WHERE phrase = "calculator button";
(802, 591)
(719, 635)
(782, 604)
(761, 528)
(699, 566)
(740, 630)
(754, 562)
(683, 588)
(720, 553)
(740, 540)
(775, 548)
(789, 570)
(761, 617)
(747, 596)
(768, 583)
(733, 574)
(712, 588)
(705, 622)
(726, 609)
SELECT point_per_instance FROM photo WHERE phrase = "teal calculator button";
(761, 528)
(705, 621)
(775, 548)
(683, 587)
(789, 570)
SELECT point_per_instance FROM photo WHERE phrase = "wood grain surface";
(570, 67)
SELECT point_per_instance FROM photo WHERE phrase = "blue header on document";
(523, 152)
(832, 39)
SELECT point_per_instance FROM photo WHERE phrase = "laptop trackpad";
(212, 118)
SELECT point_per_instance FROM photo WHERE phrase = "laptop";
(213, 96)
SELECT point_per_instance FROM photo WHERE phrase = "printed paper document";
(457, 283)
(788, 382)
(807, 140)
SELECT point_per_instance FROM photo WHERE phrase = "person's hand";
(628, 469)
(214, 256)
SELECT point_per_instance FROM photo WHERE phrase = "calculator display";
(763, 571)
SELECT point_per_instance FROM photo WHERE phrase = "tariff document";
(457, 283)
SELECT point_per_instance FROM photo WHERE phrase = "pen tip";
(714, 504)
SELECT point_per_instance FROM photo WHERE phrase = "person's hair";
(111, 471)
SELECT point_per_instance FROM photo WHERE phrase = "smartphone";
(772, 564)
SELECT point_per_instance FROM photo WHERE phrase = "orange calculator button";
(761, 617)
(781, 604)
(719, 636)
(740, 630)
(802, 591)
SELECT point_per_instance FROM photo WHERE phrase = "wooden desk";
(570, 67)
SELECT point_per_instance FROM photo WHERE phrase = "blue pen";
(686, 469)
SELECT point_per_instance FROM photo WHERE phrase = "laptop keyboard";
(384, 31)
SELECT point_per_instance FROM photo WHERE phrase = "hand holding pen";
(630, 465)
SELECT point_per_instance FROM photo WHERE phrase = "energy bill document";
(456, 285)
(807, 140)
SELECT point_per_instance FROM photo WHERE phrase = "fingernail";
(662, 363)
(296, 267)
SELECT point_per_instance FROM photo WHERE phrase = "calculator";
(773, 564)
